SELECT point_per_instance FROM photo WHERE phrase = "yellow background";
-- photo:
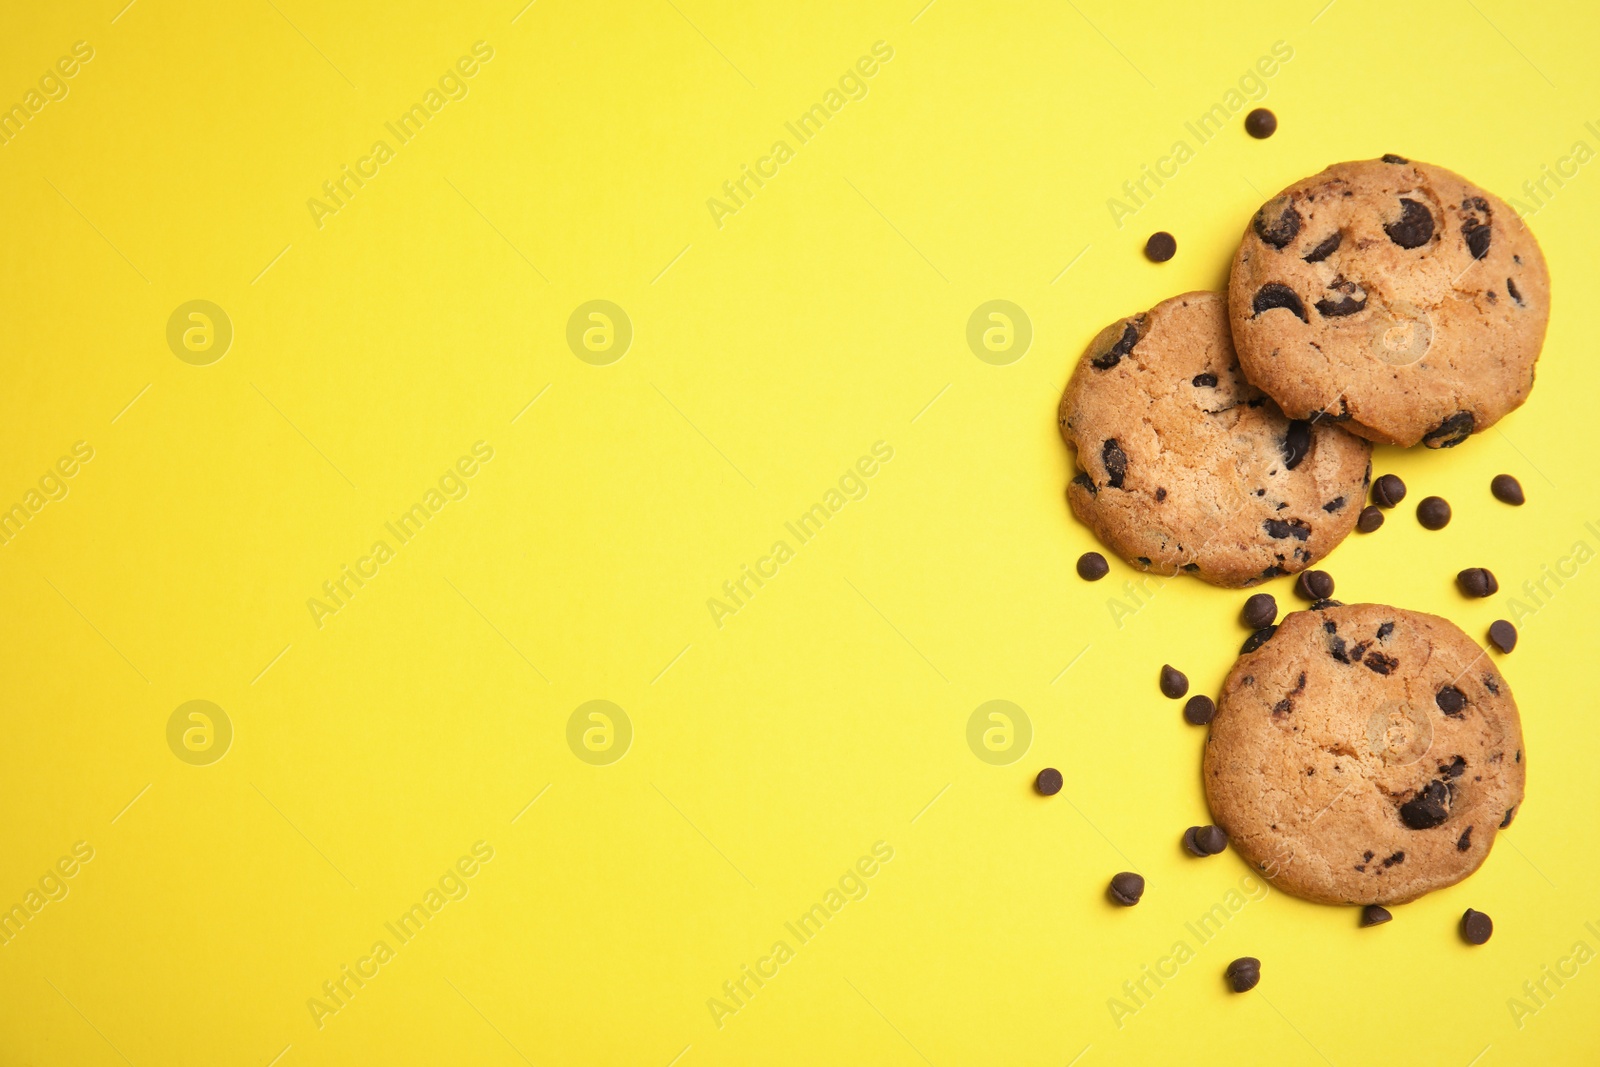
(768, 354)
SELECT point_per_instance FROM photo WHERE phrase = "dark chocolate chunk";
(1429, 808)
(1477, 582)
(1511, 287)
(1477, 237)
(1390, 157)
(1414, 227)
(1333, 505)
(1082, 480)
(1092, 566)
(1243, 974)
(1048, 782)
(1280, 529)
(1388, 491)
(1276, 295)
(1205, 840)
(1112, 356)
(1257, 639)
(1370, 519)
(1260, 610)
(1116, 462)
(1161, 494)
(1204, 381)
(1174, 683)
(1296, 443)
(1450, 700)
(1476, 927)
(1507, 490)
(1434, 512)
(1503, 635)
(1199, 710)
(1351, 299)
(1505, 822)
(1327, 248)
(1261, 123)
(1451, 431)
(1390, 861)
(1314, 585)
(1161, 247)
(1464, 842)
(1277, 223)
(1375, 915)
(1378, 663)
(1126, 888)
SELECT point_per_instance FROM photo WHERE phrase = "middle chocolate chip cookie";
(1183, 466)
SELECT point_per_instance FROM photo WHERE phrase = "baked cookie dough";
(1184, 466)
(1391, 296)
(1364, 755)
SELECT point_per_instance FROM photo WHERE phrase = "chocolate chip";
(1333, 505)
(1113, 355)
(1199, 710)
(1048, 782)
(1505, 822)
(1379, 663)
(1243, 974)
(1260, 610)
(1296, 443)
(1161, 247)
(1390, 157)
(1083, 481)
(1478, 582)
(1503, 635)
(1464, 842)
(1261, 124)
(1280, 529)
(1511, 287)
(1204, 381)
(1477, 237)
(1414, 227)
(1375, 915)
(1390, 861)
(1429, 808)
(1314, 585)
(1370, 519)
(1450, 700)
(1205, 840)
(1434, 512)
(1161, 494)
(1352, 298)
(1275, 295)
(1174, 683)
(1507, 490)
(1476, 927)
(1116, 462)
(1190, 844)
(1092, 566)
(1388, 491)
(1257, 639)
(1277, 222)
(1324, 605)
(1328, 247)
(1451, 431)
(1385, 629)
(1126, 888)
(1455, 768)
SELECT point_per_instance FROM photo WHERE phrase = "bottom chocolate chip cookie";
(1364, 755)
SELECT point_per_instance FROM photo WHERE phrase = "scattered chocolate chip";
(1375, 915)
(1174, 683)
(1477, 237)
(1434, 512)
(1478, 582)
(1190, 844)
(1161, 247)
(1161, 494)
(1505, 822)
(1511, 287)
(1327, 248)
(1205, 840)
(1390, 861)
(1324, 605)
(1257, 639)
(1261, 124)
(1280, 529)
(1370, 519)
(1116, 462)
(1083, 481)
(1112, 356)
(1388, 491)
(1092, 567)
(1199, 710)
(1260, 610)
(1390, 157)
(1277, 222)
(1314, 585)
(1385, 629)
(1243, 974)
(1503, 635)
(1450, 700)
(1126, 888)
(1429, 808)
(1507, 490)
(1296, 443)
(1378, 663)
(1204, 381)
(1352, 298)
(1476, 927)
(1464, 842)
(1333, 505)
(1451, 431)
(1276, 295)
(1414, 227)
(1048, 782)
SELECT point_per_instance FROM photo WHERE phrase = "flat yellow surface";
(398, 502)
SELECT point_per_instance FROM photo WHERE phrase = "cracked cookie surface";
(1183, 466)
(1394, 297)
(1364, 755)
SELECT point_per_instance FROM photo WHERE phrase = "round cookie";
(1364, 755)
(1394, 297)
(1184, 466)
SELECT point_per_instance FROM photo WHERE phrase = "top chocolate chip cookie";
(1392, 297)
(1183, 466)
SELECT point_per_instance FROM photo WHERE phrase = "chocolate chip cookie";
(1393, 297)
(1364, 755)
(1183, 466)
